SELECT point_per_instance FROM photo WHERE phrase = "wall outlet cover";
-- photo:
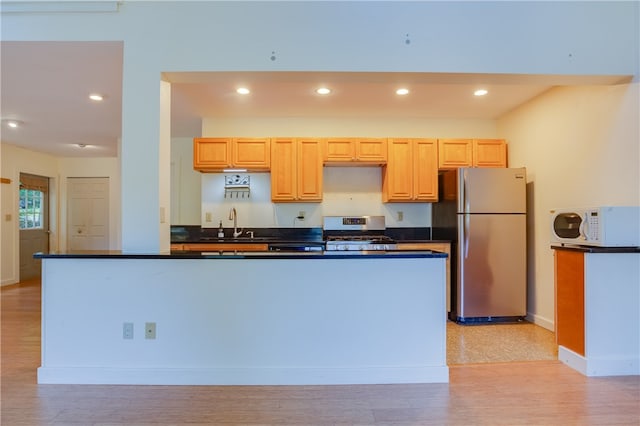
(150, 330)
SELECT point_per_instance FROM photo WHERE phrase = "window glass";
(31, 203)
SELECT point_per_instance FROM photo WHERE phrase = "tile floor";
(470, 344)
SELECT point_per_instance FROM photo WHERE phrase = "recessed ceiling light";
(81, 145)
(480, 92)
(403, 91)
(96, 97)
(323, 91)
(14, 124)
(243, 90)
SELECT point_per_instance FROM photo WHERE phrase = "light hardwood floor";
(516, 393)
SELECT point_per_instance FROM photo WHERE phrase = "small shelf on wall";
(237, 186)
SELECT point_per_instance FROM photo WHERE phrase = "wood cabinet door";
(309, 169)
(371, 150)
(296, 170)
(339, 149)
(397, 180)
(252, 153)
(455, 153)
(211, 153)
(450, 185)
(489, 153)
(569, 282)
(425, 170)
(283, 169)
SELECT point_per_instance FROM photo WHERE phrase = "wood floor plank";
(513, 393)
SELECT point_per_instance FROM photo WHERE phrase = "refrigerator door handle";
(465, 234)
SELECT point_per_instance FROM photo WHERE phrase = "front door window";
(31, 209)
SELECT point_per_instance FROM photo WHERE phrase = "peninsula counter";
(243, 319)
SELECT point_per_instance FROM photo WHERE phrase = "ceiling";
(45, 86)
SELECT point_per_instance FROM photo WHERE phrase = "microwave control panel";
(592, 226)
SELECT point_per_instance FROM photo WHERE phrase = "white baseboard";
(243, 376)
(572, 359)
(541, 321)
(9, 282)
(595, 367)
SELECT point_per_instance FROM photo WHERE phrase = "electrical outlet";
(207, 217)
(400, 216)
(127, 330)
(150, 330)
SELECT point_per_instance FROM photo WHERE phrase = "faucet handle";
(250, 234)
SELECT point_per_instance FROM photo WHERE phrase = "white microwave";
(607, 226)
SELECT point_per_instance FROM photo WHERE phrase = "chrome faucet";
(233, 215)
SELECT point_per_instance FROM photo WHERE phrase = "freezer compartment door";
(489, 190)
(492, 276)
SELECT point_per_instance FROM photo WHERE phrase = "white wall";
(185, 184)
(17, 160)
(581, 147)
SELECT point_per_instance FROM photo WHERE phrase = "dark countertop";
(590, 249)
(244, 255)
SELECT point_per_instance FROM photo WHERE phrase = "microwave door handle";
(584, 227)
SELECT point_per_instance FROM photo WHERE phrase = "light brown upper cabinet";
(411, 173)
(455, 153)
(357, 151)
(489, 153)
(296, 170)
(216, 154)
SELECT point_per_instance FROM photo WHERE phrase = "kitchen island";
(237, 318)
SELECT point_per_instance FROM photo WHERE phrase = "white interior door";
(88, 214)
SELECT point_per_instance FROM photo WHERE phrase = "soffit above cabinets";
(51, 99)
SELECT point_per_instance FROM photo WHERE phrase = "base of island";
(244, 321)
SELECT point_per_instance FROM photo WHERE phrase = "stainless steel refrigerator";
(483, 211)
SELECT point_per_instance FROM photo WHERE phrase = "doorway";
(33, 223)
(88, 214)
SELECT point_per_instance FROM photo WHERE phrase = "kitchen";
(542, 136)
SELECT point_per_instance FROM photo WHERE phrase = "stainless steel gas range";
(356, 233)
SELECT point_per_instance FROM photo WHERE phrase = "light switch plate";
(127, 330)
